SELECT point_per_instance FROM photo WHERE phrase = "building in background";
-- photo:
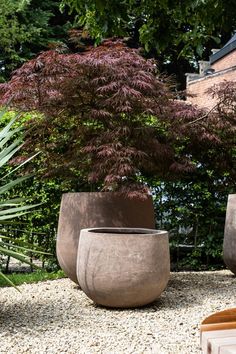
(220, 67)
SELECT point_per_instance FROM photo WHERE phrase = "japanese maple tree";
(108, 116)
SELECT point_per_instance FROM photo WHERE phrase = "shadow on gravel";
(187, 289)
(38, 314)
(184, 290)
(192, 288)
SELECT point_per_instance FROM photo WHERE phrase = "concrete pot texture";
(123, 267)
(229, 245)
(96, 209)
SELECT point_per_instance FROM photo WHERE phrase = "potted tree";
(107, 119)
(96, 112)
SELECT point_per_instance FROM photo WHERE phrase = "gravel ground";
(56, 317)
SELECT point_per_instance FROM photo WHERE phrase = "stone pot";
(84, 210)
(123, 267)
(229, 245)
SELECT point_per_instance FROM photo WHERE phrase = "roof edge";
(222, 52)
(208, 77)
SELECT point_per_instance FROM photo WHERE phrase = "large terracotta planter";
(229, 246)
(84, 210)
(121, 267)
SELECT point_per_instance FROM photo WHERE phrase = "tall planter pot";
(96, 209)
(123, 267)
(229, 245)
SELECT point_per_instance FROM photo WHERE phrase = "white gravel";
(56, 317)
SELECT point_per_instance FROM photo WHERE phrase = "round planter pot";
(123, 267)
(229, 246)
(84, 210)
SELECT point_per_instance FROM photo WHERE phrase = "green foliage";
(193, 210)
(160, 23)
(12, 207)
(43, 221)
(39, 226)
(100, 119)
(34, 277)
(26, 27)
(178, 32)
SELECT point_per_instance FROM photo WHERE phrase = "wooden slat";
(218, 326)
(220, 344)
(208, 336)
(228, 349)
(218, 333)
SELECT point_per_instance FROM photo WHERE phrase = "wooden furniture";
(218, 333)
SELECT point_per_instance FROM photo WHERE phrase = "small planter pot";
(123, 267)
(82, 210)
(229, 246)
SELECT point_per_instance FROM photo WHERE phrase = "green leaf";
(23, 248)
(12, 202)
(5, 131)
(11, 208)
(19, 256)
(7, 153)
(21, 165)
(17, 209)
(11, 216)
(13, 183)
(3, 276)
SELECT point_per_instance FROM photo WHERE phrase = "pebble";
(55, 317)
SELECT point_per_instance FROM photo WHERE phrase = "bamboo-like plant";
(12, 208)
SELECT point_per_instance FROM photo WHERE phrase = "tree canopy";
(26, 27)
(177, 32)
(108, 117)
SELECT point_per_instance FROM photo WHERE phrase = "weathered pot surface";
(123, 267)
(229, 246)
(96, 209)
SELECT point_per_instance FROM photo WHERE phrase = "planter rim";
(124, 231)
(107, 193)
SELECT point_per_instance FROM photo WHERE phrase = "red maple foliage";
(106, 114)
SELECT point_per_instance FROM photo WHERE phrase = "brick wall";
(228, 61)
(198, 87)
